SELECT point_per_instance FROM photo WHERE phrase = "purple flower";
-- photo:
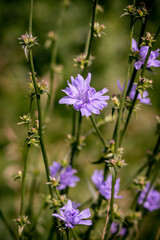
(152, 201)
(142, 56)
(72, 217)
(83, 97)
(105, 187)
(64, 175)
(115, 229)
(145, 99)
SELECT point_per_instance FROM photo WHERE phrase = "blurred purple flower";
(115, 229)
(145, 99)
(105, 187)
(152, 201)
(64, 175)
(72, 217)
(83, 97)
(142, 56)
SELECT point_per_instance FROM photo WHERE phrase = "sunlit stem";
(98, 132)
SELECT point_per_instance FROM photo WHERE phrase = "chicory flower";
(145, 99)
(105, 187)
(152, 61)
(152, 201)
(83, 97)
(65, 176)
(72, 217)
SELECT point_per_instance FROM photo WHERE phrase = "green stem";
(31, 197)
(117, 135)
(30, 17)
(67, 233)
(114, 177)
(40, 121)
(75, 144)
(7, 224)
(25, 158)
(57, 194)
(135, 98)
(98, 132)
(92, 29)
(75, 234)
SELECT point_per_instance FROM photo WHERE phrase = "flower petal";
(134, 46)
(85, 214)
(138, 64)
(67, 100)
(86, 222)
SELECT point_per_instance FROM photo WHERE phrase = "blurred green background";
(109, 65)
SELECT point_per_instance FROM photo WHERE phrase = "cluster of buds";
(116, 162)
(41, 86)
(58, 202)
(148, 40)
(132, 218)
(53, 182)
(118, 214)
(138, 12)
(81, 61)
(33, 137)
(139, 183)
(21, 222)
(143, 84)
(25, 120)
(27, 41)
(51, 38)
(98, 29)
(116, 101)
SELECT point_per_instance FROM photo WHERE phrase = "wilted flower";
(105, 187)
(72, 217)
(83, 97)
(145, 99)
(152, 201)
(64, 175)
(142, 54)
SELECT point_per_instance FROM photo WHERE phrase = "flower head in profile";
(72, 217)
(83, 97)
(142, 54)
(142, 99)
(65, 176)
(105, 187)
(152, 201)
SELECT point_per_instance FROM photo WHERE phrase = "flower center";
(70, 215)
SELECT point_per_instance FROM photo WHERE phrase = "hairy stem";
(25, 158)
